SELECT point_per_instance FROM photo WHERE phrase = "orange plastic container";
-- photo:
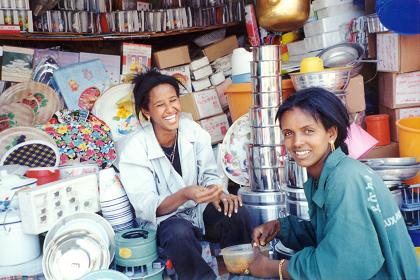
(378, 127)
(239, 97)
(409, 136)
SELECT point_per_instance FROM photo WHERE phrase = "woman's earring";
(332, 146)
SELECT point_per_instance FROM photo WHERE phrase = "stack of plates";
(118, 213)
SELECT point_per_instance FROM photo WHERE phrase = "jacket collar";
(330, 164)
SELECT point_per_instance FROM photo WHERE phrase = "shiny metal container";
(298, 208)
(294, 194)
(267, 99)
(263, 116)
(296, 175)
(266, 84)
(263, 206)
(266, 179)
(265, 68)
(266, 156)
(267, 135)
(266, 52)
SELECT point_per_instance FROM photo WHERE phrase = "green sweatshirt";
(355, 231)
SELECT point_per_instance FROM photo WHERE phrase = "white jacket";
(148, 176)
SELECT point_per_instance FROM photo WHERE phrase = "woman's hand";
(230, 202)
(264, 233)
(203, 195)
(262, 266)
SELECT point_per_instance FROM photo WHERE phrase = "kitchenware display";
(399, 173)
(34, 153)
(106, 274)
(296, 175)
(266, 135)
(41, 98)
(116, 108)
(73, 254)
(333, 79)
(42, 206)
(342, 55)
(10, 183)
(397, 195)
(294, 193)
(237, 258)
(266, 156)
(396, 161)
(311, 64)
(267, 99)
(16, 135)
(374, 24)
(282, 15)
(266, 84)
(234, 151)
(16, 114)
(387, 167)
(266, 179)
(266, 52)
(16, 246)
(298, 208)
(265, 68)
(263, 116)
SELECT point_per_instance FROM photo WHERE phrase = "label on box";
(409, 112)
(217, 126)
(407, 88)
(388, 52)
(208, 103)
(182, 74)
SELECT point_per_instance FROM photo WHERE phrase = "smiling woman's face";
(306, 139)
(164, 107)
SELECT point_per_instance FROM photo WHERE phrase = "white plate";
(122, 120)
(234, 150)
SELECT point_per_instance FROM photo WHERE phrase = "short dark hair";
(324, 106)
(143, 84)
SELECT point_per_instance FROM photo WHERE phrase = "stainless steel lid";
(261, 198)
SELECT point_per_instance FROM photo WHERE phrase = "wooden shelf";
(44, 36)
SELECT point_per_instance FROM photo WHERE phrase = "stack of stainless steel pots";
(265, 199)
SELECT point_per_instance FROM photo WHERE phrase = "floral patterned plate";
(234, 151)
(116, 108)
(15, 114)
(41, 98)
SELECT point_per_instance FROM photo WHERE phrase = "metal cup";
(265, 68)
(267, 135)
(267, 99)
(266, 84)
(263, 116)
(266, 52)
(266, 179)
(296, 175)
(266, 156)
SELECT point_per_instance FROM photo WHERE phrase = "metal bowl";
(266, 52)
(265, 68)
(398, 161)
(266, 156)
(267, 99)
(263, 116)
(266, 84)
(332, 79)
(342, 55)
(398, 173)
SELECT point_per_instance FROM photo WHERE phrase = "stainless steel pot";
(296, 175)
(266, 52)
(265, 68)
(262, 198)
(267, 99)
(266, 156)
(267, 135)
(298, 208)
(397, 197)
(263, 116)
(266, 179)
(399, 173)
(398, 161)
(294, 194)
(266, 84)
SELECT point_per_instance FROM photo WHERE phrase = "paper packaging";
(172, 57)
(217, 126)
(199, 63)
(201, 104)
(221, 88)
(203, 72)
(399, 90)
(355, 97)
(397, 53)
(221, 48)
(182, 74)
(201, 84)
(391, 150)
(395, 115)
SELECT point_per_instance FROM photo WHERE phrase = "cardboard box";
(391, 150)
(398, 53)
(222, 48)
(201, 104)
(172, 57)
(355, 98)
(217, 126)
(399, 90)
(395, 115)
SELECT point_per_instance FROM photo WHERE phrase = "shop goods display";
(42, 206)
(16, 114)
(295, 175)
(237, 258)
(76, 245)
(10, 183)
(374, 24)
(116, 108)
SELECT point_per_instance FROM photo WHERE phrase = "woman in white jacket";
(169, 173)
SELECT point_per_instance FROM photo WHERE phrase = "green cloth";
(355, 231)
